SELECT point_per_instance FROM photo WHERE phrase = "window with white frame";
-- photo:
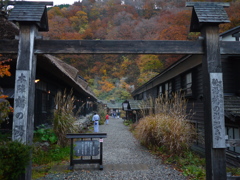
(144, 95)
(166, 87)
(233, 133)
(187, 86)
(160, 91)
(170, 88)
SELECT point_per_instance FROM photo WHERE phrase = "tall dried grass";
(165, 124)
(63, 121)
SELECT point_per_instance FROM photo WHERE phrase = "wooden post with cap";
(214, 121)
(31, 16)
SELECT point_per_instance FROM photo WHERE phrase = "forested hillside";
(115, 76)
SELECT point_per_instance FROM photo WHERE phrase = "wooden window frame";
(187, 83)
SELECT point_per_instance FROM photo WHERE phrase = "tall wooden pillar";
(32, 17)
(213, 105)
(23, 118)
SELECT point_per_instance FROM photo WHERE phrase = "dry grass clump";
(166, 125)
(63, 121)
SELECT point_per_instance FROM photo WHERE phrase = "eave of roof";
(230, 31)
(164, 72)
(232, 107)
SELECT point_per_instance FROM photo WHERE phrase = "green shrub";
(192, 165)
(5, 136)
(45, 134)
(52, 154)
(128, 122)
(14, 156)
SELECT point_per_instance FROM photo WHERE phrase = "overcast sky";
(57, 2)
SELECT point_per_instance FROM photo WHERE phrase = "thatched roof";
(232, 107)
(8, 30)
(65, 72)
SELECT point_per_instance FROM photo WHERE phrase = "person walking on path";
(107, 119)
(96, 119)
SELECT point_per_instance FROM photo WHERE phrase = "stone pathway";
(123, 159)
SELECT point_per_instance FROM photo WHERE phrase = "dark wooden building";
(132, 110)
(187, 75)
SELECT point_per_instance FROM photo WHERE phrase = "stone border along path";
(123, 159)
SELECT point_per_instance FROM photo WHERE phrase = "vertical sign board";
(87, 148)
(20, 106)
(218, 125)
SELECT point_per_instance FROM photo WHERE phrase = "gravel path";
(123, 159)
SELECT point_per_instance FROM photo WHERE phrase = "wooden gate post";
(206, 17)
(23, 117)
(213, 105)
(25, 86)
(32, 17)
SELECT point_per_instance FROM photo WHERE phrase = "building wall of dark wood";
(237, 75)
(229, 79)
(231, 85)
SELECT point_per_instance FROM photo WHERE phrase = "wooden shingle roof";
(35, 12)
(207, 12)
(235, 30)
(132, 105)
(114, 105)
(232, 107)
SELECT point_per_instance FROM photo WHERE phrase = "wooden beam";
(230, 47)
(118, 47)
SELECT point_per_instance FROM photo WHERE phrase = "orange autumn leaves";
(5, 107)
(4, 69)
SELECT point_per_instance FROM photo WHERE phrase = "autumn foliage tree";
(5, 107)
(125, 20)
